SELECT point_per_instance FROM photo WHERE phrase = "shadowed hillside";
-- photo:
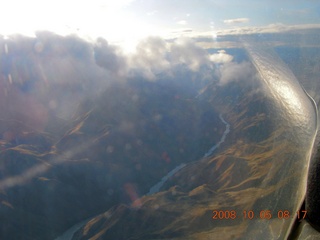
(228, 181)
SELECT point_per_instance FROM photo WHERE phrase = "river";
(154, 189)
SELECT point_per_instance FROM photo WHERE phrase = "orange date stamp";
(263, 214)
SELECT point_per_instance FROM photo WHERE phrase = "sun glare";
(107, 19)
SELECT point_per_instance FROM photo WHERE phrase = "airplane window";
(159, 119)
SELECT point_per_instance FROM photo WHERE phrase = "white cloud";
(154, 55)
(150, 57)
(185, 51)
(233, 71)
(221, 57)
(236, 20)
(272, 28)
(182, 22)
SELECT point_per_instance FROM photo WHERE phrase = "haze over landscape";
(138, 134)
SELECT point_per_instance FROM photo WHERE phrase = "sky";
(127, 21)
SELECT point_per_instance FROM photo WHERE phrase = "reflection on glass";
(171, 121)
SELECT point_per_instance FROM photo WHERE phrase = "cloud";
(217, 38)
(272, 28)
(154, 55)
(236, 20)
(234, 72)
(108, 57)
(98, 64)
(182, 22)
(221, 57)
(150, 57)
(185, 51)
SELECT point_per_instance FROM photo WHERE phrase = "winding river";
(223, 138)
(156, 188)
